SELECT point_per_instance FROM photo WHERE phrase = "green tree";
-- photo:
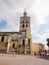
(48, 42)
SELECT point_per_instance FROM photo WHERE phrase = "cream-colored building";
(36, 47)
(19, 42)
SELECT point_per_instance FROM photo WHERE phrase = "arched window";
(26, 25)
(23, 21)
(2, 38)
(23, 25)
(13, 46)
(26, 21)
(29, 41)
(23, 43)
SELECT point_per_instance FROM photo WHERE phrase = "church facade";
(18, 42)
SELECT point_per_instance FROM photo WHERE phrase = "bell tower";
(26, 32)
(25, 24)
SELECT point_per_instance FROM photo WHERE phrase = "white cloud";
(40, 12)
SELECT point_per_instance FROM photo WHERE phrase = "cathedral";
(18, 42)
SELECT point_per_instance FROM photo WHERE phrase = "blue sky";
(3, 24)
(38, 10)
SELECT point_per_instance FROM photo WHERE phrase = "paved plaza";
(9, 59)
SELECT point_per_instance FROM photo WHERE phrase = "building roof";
(8, 33)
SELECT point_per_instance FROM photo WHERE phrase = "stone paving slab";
(8, 59)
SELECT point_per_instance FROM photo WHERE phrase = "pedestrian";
(13, 54)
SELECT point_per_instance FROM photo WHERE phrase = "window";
(29, 45)
(26, 25)
(23, 25)
(13, 46)
(29, 41)
(23, 21)
(23, 42)
(26, 21)
(2, 39)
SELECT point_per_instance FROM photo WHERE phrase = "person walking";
(13, 54)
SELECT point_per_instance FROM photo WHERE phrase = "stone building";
(36, 47)
(17, 41)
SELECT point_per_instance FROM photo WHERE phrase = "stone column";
(26, 43)
(9, 42)
(25, 50)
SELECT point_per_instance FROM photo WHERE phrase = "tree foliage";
(48, 42)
